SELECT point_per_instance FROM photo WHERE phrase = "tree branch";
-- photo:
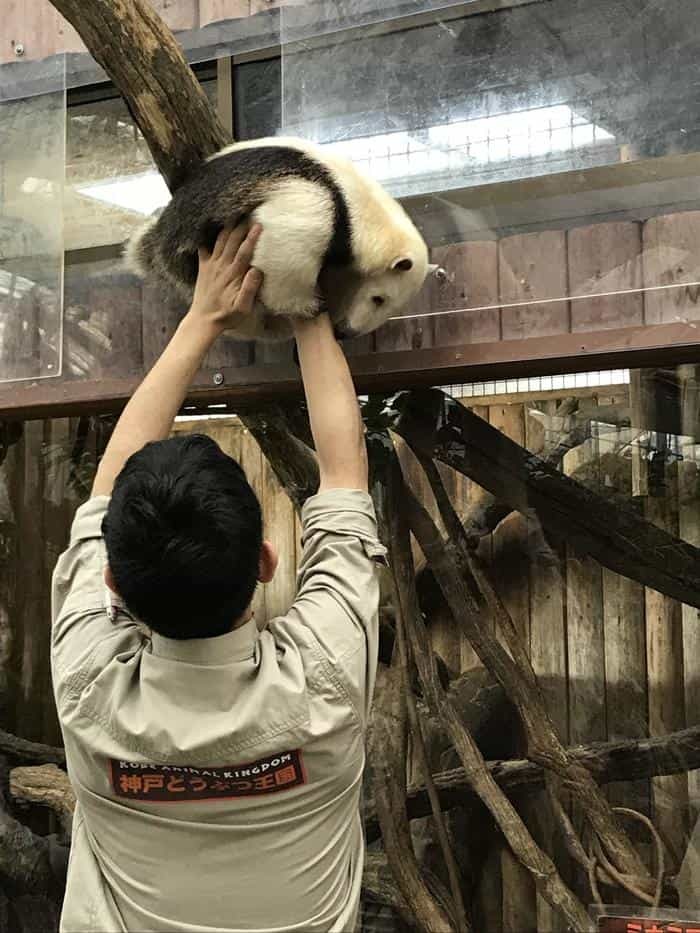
(608, 762)
(618, 538)
(390, 495)
(388, 756)
(23, 752)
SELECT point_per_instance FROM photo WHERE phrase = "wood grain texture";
(532, 266)
(689, 529)
(605, 258)
(584, 627)
(279, 529)
(471, 281)
(666, 693)
(214, 11)
(671, 257)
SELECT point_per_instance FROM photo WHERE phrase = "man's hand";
(226, 287)
(226, 284)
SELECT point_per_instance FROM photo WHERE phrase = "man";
(217, 766)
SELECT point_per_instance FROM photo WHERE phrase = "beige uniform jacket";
(218, 780)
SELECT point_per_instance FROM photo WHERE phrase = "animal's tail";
(141, 249)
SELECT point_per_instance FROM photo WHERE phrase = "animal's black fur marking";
(223, 191)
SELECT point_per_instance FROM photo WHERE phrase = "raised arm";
(334, 413)
(226, 286)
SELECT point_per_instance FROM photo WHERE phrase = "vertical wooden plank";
(472, 494)
(359, 346)
(278, 517)
(605, 258)
(407, 332)
(32, 603)
(39, 28)
(523, 276)
(251, 459)
(224, 93)
(161, 311)
(511, 568)
(267, 353)
(488, 907)
(671, 256)
(229, 352)
(626, 676)
(445, 634)
(259, 6)
(114, 338)
(60, 498)
(666, 694)
(624, 624)
(689, 529)
(214, 11)
(470, 281)
(9, 582)
(31, 25)
(584, 628)
(410, 331)
(510, 543)
(548, 655)
(178, 14)
(532, 266)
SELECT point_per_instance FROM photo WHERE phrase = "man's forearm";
(151, 411)
(336, 423)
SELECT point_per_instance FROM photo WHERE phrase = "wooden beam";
(624, 760)
(609, 529)
(244, 386)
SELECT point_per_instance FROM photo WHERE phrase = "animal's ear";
(402, 265)
(432, 268)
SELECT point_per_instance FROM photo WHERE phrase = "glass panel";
(32, 165)
(546, 151)
(111, 181)
(257, 88)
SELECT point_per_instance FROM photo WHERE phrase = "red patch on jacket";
(138, 780)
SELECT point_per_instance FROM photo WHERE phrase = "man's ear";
(268, 562)
(109, 580)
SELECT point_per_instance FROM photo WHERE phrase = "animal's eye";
(378, 300)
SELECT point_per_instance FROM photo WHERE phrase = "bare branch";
(619, 538)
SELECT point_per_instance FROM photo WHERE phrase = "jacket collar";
(238, 645)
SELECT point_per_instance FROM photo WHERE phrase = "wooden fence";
(614, 660)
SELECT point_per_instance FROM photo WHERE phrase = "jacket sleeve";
(90, 625)
(338, 588)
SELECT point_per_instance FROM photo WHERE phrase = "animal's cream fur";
(290, 250)
(297, 218)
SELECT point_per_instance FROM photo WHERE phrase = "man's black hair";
(183, 533)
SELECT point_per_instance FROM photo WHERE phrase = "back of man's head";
(183, 533)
